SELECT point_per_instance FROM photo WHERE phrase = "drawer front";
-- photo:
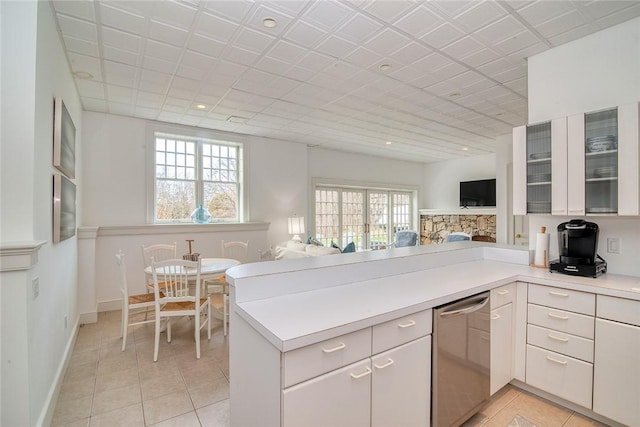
(503, 295)
(316, 359)
(564, 299)
(402, 330)
(563, 321)
(619, 309)
(563, 376)
(567, 344)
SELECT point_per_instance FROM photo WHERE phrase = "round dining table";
(210, 268)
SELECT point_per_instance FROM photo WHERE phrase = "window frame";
(366, 187)
(200, 135)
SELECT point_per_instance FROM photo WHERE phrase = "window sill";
(126, 230)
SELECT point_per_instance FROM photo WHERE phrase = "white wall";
(592, 73)
(34, 71)
(442, 179)
(596, 72)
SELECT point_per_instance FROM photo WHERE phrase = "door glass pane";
(539, 168)
(378, 219)
(327, 216)
(353, 218)
(601, 162)
(401, 205)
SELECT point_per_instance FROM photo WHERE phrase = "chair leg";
(156, 343)
(225, 313)
(196, 320)
(125, 326)
(168, 329)
(209, 319)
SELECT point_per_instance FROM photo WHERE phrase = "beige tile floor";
(106, 387)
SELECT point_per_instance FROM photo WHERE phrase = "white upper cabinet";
(585, 164)
(540, 168)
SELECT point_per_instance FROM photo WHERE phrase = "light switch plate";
(613, 245)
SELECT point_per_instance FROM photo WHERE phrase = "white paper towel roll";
(542, 250)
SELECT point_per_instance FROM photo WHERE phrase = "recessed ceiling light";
(454, 95)
(385, 67)
(465, 148)
(236, 119)
(201, 106)
(269, 22)
(84, 75)
(389, 142)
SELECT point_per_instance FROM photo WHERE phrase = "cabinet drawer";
(316, 359)
(563, 321)
(402, 330)
(570, 345)
(564, 299)
(563, 376)
(619, 309)
(503, 295)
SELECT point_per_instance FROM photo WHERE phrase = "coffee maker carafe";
(578, 249)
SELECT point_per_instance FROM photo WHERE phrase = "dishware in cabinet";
(607, 181)
(540, 164)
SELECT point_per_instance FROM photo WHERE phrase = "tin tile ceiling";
(413, 80)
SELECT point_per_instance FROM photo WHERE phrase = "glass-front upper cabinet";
(601, 162)
(539, 168)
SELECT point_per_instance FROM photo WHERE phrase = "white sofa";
(291, 249)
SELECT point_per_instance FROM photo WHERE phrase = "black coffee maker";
(578, 249)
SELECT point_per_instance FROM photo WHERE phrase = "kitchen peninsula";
(298, 325)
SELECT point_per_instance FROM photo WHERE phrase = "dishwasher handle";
(473, 306)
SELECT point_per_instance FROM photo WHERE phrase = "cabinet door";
(341, 398)
(520, 170)
(575, 165)
(601, 162)
(539, 168)
(501, 347)
(559, 161)
(401, 385)
(629, 159)
(616, 379)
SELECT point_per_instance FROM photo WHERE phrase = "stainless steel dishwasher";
(461, 366)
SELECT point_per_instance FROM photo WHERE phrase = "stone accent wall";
(436, 228)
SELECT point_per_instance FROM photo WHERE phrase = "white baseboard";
(110, 305)
(91, 317)
(49, 407)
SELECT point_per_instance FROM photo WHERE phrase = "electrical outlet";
(35, 287)
(613, 245)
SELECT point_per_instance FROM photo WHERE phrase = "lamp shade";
(296, 227)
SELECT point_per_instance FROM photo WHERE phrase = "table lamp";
(296, 227)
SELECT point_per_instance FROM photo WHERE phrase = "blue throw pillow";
(351, 247)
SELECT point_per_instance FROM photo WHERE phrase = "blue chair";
(406, 238)
(457, 236)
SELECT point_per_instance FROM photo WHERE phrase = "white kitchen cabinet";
(391, 385)
(502, 341)
(616, 380)
(340, 398)
(401, 385)
(585, 164)
(539, 168)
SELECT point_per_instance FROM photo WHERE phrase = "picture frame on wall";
(64, 140)
(64, 208)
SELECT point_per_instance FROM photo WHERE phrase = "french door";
(367, 217)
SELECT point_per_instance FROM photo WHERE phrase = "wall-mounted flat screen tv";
(479, 193)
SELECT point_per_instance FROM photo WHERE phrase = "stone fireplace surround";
(434, 228)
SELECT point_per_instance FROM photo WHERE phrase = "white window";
(192, 171)
(368, 217)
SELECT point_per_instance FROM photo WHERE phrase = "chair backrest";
(122, 267)
(159, 252)
(457, 236)
(235, 250)
(406, 238)
(175, 275)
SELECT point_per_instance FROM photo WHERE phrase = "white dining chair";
(177, 301)
(132, 304)
(219, 289)
(159, 252)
